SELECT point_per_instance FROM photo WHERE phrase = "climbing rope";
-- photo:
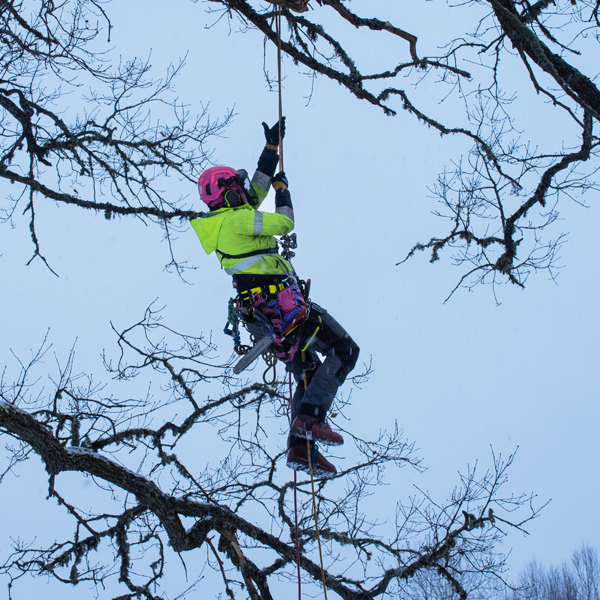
(232, 325)
(278, 29)
(308, 449)
(295, 505)
(314, 503)
(312, 483)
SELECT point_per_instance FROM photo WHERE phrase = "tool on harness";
(232, 327)
(288, 242)
(271, 361)
(306, 290)
(253, 353)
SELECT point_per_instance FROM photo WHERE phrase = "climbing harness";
(280, 310)
(262, 253)
(284, 316)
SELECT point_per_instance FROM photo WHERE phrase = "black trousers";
(324, 377)
(326, 337)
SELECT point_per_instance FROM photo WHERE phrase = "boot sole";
(318, 473)
(302, 433)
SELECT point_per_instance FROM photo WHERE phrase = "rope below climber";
(270, 299)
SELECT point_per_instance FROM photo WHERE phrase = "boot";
(304, 425)
(297, 459)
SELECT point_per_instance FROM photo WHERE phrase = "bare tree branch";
(168, 499)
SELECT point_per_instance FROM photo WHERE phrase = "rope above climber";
(270, 298)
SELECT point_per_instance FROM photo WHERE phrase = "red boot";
(297, 459)
(321, 431)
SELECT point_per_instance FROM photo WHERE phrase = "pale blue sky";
(458, 377)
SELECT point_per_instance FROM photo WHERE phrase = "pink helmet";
(214, 182)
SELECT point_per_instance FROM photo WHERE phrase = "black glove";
(280, 181)
(272, 134)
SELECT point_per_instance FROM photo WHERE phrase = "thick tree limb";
(214, 500)
(571, 80)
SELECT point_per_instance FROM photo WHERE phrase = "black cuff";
(283, 198)
(268, 161)
(312, 410)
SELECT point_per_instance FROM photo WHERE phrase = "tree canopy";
(116, 149)
(513, 65)
(517, 68)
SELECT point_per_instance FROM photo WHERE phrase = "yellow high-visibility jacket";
(243, 237)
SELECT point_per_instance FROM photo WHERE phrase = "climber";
(243, 238)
